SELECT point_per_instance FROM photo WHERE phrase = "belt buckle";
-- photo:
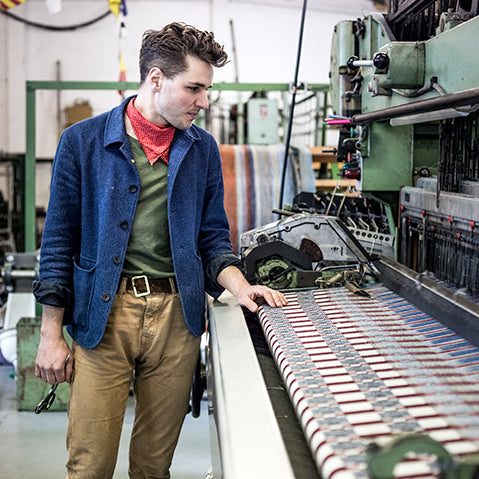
(147, 286)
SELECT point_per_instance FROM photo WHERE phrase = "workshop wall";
(266, 45)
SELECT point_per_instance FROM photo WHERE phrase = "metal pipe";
(23, 274)
(291, 111)
(363, 63)
(451, 100)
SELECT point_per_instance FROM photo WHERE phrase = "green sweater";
(149, 250)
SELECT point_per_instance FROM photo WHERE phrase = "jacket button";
(133, 188)
(116, 259)
(124, 225)
(105, 297)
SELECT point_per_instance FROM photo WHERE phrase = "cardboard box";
(77, 112)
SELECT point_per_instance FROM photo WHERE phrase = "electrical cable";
(291, 111)
(55, 27)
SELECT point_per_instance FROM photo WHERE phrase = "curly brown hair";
(169, 47)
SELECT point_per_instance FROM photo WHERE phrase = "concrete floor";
(33, 446)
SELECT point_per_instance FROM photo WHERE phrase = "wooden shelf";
(322, 154)
(331, 183)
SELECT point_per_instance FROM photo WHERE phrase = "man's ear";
(155, 77)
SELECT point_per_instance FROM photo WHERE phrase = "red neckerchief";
(155, 139)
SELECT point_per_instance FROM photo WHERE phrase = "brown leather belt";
(143, 286)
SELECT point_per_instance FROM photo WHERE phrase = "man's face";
(181, 98)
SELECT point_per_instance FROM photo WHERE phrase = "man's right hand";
(51, 364)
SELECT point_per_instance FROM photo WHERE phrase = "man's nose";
(202, 100)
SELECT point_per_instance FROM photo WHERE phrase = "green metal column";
(29, 198)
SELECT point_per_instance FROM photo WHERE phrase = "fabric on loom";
(250, 168)
(241, 192)
(361, 370)
(252, 176)
(305, 158)
(229, 179)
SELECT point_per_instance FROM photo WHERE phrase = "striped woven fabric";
(361, 370)
(252, 180)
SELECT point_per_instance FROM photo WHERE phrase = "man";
(134, 235)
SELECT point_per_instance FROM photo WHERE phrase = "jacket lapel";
(179, 148)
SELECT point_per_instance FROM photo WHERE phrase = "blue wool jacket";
(93, 198)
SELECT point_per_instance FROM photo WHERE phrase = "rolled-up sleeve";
(52, 294)
(214, 268)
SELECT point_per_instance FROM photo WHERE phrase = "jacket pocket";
(83, 284)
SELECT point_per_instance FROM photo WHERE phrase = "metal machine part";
(414, 21)
(415, 121)
(452, 308)
(301, 250)
(382, 461)
(369, 219)
(245, 437)
(380, 71)
(441, 236)
(19, 270)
